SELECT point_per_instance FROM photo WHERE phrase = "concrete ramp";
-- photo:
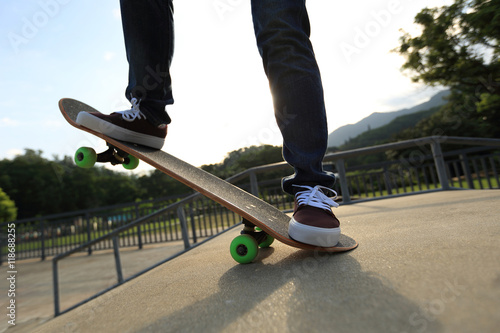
(426, 263)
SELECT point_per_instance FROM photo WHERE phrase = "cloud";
(108, 55)
(117, 13)
(8, 122)
(52, 124)
(14, 152)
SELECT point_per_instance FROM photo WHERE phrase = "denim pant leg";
(148, 29)
(282, 31)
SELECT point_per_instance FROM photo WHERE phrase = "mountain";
(378, 119)
(384, 134)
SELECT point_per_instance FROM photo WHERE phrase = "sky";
(50, 49)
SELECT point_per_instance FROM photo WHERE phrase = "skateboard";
(262, 222)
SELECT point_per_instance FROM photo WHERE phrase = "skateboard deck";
(253, 211)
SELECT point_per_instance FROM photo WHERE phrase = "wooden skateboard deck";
(252, 209)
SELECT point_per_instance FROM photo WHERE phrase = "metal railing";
(48, 236)
(426, 168)
(224, 220)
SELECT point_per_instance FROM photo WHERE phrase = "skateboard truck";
(245, 247)
(86, 157)
(250, 229)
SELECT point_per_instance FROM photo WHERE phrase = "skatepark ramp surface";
(425, 263)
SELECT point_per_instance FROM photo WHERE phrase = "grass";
(408, 189)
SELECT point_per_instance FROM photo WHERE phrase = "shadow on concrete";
(342, 297)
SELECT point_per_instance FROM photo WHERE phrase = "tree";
(40, 187)
(157, 184)
(29, 180)
(8, 210)
(245, 158)
(458, 47)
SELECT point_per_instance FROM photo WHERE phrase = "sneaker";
(130, 125)
(313, 221)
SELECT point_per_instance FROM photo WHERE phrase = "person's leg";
(282, 31)
(148, 28)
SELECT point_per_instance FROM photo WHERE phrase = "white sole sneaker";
(116, 132)
(322, 237)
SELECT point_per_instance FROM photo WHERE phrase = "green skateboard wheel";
(85, 157)
(267, 242)
(131, 162)
(244, 249)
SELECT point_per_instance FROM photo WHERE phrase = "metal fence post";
(437, 154)
(42, 230)
(387, 179)
(182, 220)
(55, 283)
(254, 185)
(344, 188)
(89, 232)
(193, 224)
(116, 251)
(139, 233)
(465, 166)
(1, 244)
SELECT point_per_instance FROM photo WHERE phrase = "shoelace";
(134, 113)
(315, 197)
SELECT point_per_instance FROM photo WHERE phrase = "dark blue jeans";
(148, 28)
(282, 32)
